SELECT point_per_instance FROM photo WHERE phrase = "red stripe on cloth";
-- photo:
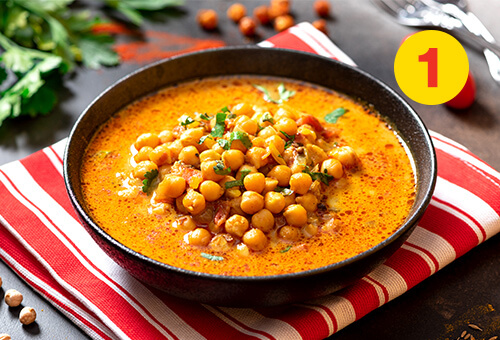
(69, 268)
(417, 271)
(290, 41)
(328, 312)
(364, 296)
(469, 178)
(454, 230)
(318, 42)
(308, 322)
(56, 154)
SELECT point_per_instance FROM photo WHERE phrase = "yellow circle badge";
(431, 67)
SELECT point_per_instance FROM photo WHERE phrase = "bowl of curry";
(249, 176)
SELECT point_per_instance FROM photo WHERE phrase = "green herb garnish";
(268, 118)
(241, 136)
(220, 170)
(284, 191)
(238, 182)
(204, 116)
(148, 179)
(224, 143)
(202, 139)
(286, 249)
(187, 121)
(290, 140)
(323, 177)
(333, 116)
(231, 116)
(220, 124)
(212, 257)
(284, 94)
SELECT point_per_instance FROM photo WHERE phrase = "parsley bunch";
(42, 40)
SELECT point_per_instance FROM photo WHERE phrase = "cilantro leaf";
(239, 182)
(322, 177)
(220, 124)
(148, 179)
(290, 138)
(97, 50)
(220, 170)
(333, 116)
(188, 121)
(204, 116)
(212, 257)
(284, 191)
(284, 94)
(285, 249)
(131, 8)
(225, 144)
(266, 117)
(241, 136)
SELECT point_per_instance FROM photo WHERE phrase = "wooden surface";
(467, 291)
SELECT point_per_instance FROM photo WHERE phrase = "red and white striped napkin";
(43, 241)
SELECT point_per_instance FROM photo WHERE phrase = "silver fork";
(417, 13)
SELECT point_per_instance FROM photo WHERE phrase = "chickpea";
(175, 149)
(185, 223)
(320, 25)
(297, 167)
(143, 154)
(236, 11)
(287, 125)
(283, 22)
(260, 142)
(238, 145)
(289, 199)
(190, 155)
(263, 220)
(310, 230)
(242, 109)
(13, 298)
(279, 7)
(309, 201)
(255, 239)
(242, 250)
(194, 202)
(142, 167)
(255, 156)
(247, 26)
(278, 142)
(199, 237)
(262, 14)
(245, 167)
(308, 133)
(322, 8)
(274, 202)
(211, 190)
(282, 173)
(208, 171)
(27, 315)
(289, 233)
(346, 155)
(267, 132)
(220, 242)
(236, 225)
(146, 139)
(208, 19)
(300, 183)
(283, 113)
(191, 136)
(251, 202)
(209, 155)
(171, 186)
(5, 336)
(249, 126)
(162, 154)
(271, 184)
(255, 182)
(217, 148)
(295, 215)
(166, 136)
(315, 153)
(180, 207)
(332, 167)
(233, 159)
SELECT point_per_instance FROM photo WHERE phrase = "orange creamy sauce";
(367, 205)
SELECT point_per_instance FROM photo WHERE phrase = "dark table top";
(466, 291)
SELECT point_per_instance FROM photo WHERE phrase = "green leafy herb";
(231, 116)
(241, 136)
(148, 179)
(284, 191)
(202, 139)
(238, 182)
(220, 170)
(322, 177)
(290, 140)
(220, 125)
(286, 249)
(187, 121)
(284, 94)
(204, 116)
(224, 143)
(333, 116)
(212, 257)
(268, 118)
(225, 110)
(131, 9)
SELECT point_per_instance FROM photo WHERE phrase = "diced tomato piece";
(310, 120)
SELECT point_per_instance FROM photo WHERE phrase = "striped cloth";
(43, 241)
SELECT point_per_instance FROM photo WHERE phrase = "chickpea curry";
(248, 176)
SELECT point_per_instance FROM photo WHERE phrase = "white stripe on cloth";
(423, 255)
(378, 290)
(439, 136)
(54, 295)
(390, 279)
(121, 282)
(341, 308)
(436, 245)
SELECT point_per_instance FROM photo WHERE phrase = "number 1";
(431, 58)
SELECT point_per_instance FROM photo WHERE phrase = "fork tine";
(382, 4)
